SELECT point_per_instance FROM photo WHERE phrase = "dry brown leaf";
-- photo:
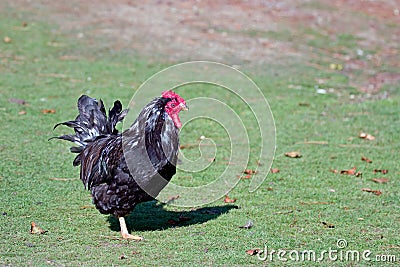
(270, 189)
(22, 112)
(376, 192)
(196, 145)
(229, 200)
(328, 225)
(210, 159)
(35, 229)
(293, 154)
(253, 252)
(381, 171)
(274, 170)
(248, 171)
(248, 225)
(18, 101)
(48, 111)
(304, 104)
(352, 171)
(248, 176)
(366, 136)
(86, 207)
(7, 39)
(172, 198)
(366, 159)
(358, 174)
(380, 180)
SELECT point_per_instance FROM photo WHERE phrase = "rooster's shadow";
(151, 216)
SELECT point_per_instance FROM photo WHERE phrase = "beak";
(183, 106)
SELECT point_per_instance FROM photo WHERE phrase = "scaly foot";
(124, 231)
(131, 237)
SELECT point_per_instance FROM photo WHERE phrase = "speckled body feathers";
(122, 170)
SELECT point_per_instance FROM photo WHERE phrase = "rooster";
(123, 170)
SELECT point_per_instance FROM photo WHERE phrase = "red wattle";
(176, 120)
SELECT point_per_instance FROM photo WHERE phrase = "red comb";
(171, 94)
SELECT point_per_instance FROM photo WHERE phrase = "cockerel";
(122, 170)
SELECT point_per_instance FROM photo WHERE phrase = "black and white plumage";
(122, 170)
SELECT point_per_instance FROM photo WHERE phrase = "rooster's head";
(174, 106)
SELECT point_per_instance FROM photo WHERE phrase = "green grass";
(287, 217)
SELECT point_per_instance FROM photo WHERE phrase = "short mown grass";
(288, 210)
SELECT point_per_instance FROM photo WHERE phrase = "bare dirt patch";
(362, 35)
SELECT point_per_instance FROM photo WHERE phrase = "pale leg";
(124, 231)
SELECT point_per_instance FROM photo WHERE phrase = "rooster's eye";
(173, 105)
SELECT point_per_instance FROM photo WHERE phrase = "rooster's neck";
(155, 131)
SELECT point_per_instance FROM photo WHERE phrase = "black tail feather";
(115, 115)
(92, 122)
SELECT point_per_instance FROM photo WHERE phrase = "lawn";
(304, 206)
